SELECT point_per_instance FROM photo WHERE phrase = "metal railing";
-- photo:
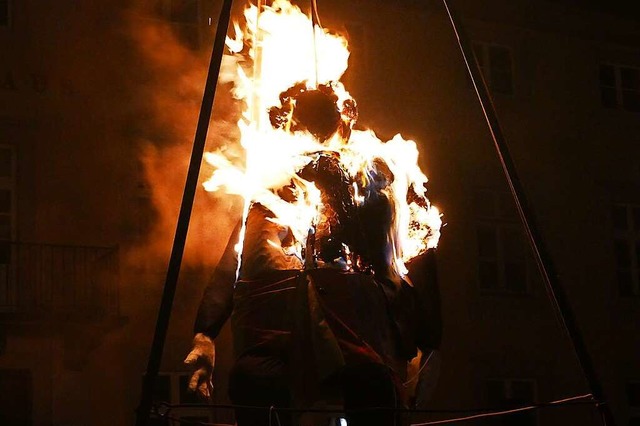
(60, 280)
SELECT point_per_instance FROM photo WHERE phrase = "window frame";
(487, 69)
(8, 282)
(501, 220)
(507, 387)
(630, 384)
(501, 259)
(171, 6)
(9, 15)
(25, 378)
(634, 410)
(617, 85)
(10, 183)
(631, 237)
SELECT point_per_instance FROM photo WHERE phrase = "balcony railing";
(68, 282)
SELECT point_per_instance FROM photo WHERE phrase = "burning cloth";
(338, 319)
(330, 294)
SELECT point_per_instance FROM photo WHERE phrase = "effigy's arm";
(217, 301)
(428, 318)
(427, 324)
(215, 308)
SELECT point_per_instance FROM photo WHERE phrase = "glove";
(201, 360)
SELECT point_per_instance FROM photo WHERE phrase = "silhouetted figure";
(345, 324)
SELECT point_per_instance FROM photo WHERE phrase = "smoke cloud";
(169, 89)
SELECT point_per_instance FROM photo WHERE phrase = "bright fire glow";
(283, 51)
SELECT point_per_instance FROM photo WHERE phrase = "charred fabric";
(351, 235)
(338, 317)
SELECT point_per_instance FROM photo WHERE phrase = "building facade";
(98, 105)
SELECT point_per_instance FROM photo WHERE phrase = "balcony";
(57, 282)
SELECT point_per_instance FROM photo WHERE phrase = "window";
(16, 402)
(7, 226)
(503, 259)
(185, 11)
(633, 399)
(506, 393)
(633, 395)
(620, 87)
(162, 389)
(184, 15)
(5, 13)
(626, 247)
(496, 66)
(7, 193)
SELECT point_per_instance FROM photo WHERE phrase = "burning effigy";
(315, 279)
(286, 74)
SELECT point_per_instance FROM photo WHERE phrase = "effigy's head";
(317, 111)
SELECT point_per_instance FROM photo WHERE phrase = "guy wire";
(315, 22)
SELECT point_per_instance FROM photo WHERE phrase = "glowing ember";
(287, 76)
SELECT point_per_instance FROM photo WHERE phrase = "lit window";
(626, 247)
(508, 393)
(503, 258)
(620, 87)
(496, 66)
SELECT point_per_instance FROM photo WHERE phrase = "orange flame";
(283, 51)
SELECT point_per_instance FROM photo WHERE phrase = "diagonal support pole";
(177, 251)
(555, 291)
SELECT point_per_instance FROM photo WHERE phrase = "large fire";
(275, 52)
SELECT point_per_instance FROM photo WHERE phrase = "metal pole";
(155, 355)
(555, 291)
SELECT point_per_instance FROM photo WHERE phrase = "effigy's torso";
(351, 233)
(350, 283)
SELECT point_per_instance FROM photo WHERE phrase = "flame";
(283, 50)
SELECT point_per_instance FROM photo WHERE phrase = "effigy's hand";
(201, 359)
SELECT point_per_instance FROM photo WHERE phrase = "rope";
(315, 22)
(484, 413)
(574, 400)
(315, 16)
(272, 410)
(415, 376)
(510, 411)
